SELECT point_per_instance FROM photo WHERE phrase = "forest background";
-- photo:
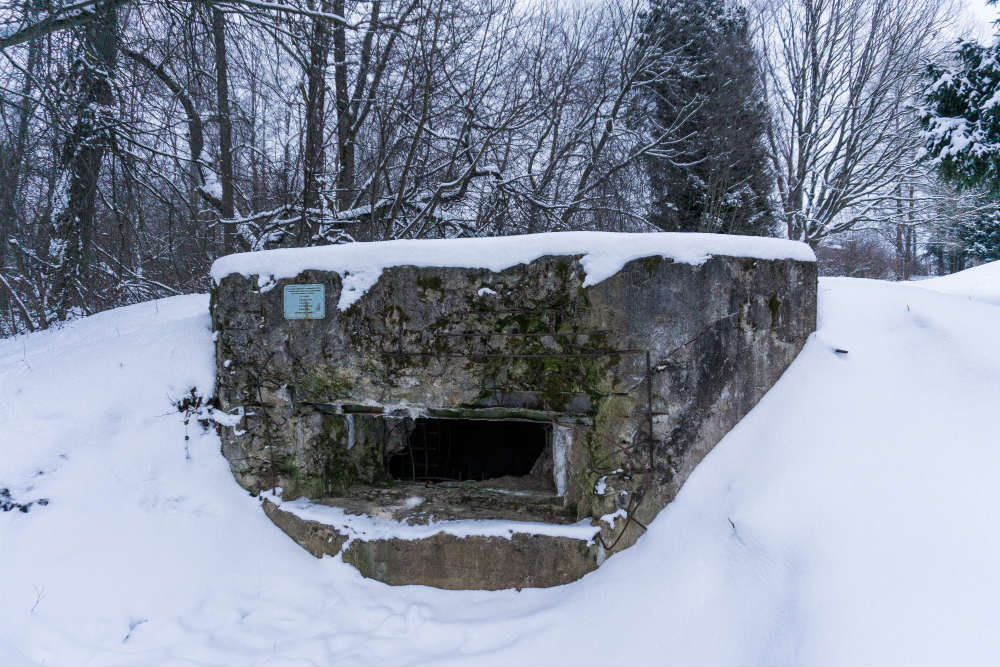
(142, 139)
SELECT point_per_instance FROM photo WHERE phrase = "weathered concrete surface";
(449, 501)
(447, 561)
(315, 537)
(488, 563)
(328, 400)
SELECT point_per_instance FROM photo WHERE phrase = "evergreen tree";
(962, 117)
(716, 179)
(961, 120)
(982, 239)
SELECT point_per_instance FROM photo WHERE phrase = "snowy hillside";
(850, 518)
(979, 282)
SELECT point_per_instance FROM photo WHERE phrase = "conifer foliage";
(717, 179)
(961, 121)
(962, 117)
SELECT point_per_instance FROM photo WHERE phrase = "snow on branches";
(961, 117)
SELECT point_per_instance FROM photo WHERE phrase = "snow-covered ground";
(980, 282)
(850, 518)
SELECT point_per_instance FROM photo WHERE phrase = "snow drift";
(848, 518)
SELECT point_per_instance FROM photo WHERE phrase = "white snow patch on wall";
(617, 514)
(562, 438)
(350, 431)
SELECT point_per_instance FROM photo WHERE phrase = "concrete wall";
(529, 342)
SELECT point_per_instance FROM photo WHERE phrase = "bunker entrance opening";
(440, 450)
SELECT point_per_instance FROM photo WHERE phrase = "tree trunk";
(228, 212)
(911, 250)
(345, 140)
(13, 162)
(315, 157)
(82, 156)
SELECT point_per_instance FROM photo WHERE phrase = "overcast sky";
(978, 19)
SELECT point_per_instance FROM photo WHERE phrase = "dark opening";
(469, 449)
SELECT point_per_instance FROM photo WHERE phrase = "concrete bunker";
(494, 413)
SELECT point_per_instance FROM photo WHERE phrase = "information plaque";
(305, 302)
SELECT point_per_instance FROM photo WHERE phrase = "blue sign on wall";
(305, 302)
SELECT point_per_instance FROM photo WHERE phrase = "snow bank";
(369, 528)
(604, 254)
(848, 519)
(979, 282)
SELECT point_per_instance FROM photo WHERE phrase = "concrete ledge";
(449, 561)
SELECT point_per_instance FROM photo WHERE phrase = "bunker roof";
(602, 255)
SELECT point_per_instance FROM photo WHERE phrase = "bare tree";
(227, 125)
(841, 76)
(14, 146)
(227, 209)
(92, 101)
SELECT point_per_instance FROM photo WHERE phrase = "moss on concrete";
(774, 305)
(318, 383)
(430, 283)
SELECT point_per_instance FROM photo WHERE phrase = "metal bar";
(402, 353)
(649, 408)
(526, 311)
(512, 334)
(489, 355)
(525, 389)
(382, 445)
(413, 462)
(426, 454)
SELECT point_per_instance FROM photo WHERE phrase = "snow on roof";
(603, 255)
